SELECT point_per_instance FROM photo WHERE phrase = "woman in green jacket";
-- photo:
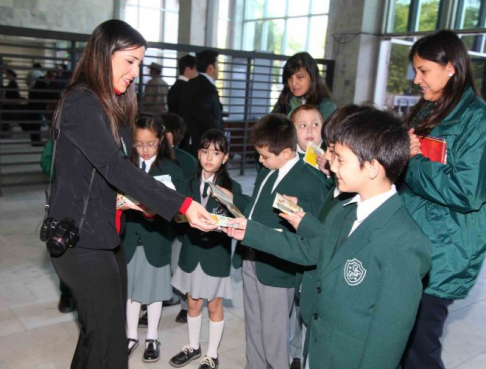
(446, 200)
(303, 85)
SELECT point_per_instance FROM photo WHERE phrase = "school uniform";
(368, 283)
(147, 242)
(187, 162)
(268, 281)
(205, 257)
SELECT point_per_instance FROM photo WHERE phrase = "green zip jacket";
(447, 201)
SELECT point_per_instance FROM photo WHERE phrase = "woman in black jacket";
(96, 113)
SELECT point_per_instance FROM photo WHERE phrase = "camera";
(59, 235)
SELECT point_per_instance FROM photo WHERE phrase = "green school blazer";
(187, 162)
(367, 294)
(309, 187)
(210, 249)
(155, 234)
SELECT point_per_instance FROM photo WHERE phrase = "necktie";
(205, 190)
(265, 199)
(349, 220)
(144, 166)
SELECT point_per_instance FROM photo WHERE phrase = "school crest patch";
(354, 272)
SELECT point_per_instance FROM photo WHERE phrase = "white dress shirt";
(148, 163)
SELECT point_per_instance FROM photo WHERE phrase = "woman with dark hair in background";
(97, 112)
(446, 199)
(303, 85)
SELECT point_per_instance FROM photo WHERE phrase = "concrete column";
(192, 22)
(353, 42)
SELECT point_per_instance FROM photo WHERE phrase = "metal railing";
(249, 84)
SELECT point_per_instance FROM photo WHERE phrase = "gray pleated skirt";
(146, 283)
(202, 286)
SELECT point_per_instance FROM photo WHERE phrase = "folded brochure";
(225, 200)
(285, 206)
(311, 154)
(123, 199)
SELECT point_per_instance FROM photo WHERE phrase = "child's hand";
(294, 219)
(292, 199)
(226, 191)
(323, 164)
(236, 233)
(414, 143)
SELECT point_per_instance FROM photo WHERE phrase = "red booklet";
(434, 149)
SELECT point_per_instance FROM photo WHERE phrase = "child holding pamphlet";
(205, 258)
(147, 240)
(371, 256)
(308, 122)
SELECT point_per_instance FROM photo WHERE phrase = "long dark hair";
(218, 139)
(442, 47)
(154, 124)
(317, 90)
(94, 72)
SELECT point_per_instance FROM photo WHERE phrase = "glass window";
(276, 8)
(320, 6)
(275, 31)
(400, 15)
(296, 39)
(171, 25)
(254, 9)
(471, 14)
(429, 13)
(253, 36)
(298, 7)
(150, 24)
(317, 35)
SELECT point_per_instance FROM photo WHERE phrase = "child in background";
(205, 258)
(147, 240)
(371, 256)
(308, 122)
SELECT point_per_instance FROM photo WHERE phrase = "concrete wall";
(77, 16)
(353, 43)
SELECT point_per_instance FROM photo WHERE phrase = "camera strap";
(57, 132)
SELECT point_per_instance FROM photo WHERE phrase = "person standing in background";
(200, 105)
(187, 71)
(155, 97)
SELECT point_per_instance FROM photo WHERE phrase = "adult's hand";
(294, 219)
(236, 233)
(414, 143)
(199, 217)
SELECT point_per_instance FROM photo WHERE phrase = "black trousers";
(97, 280)
(424, 348)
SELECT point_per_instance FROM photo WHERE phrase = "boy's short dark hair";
(337, 117)
(275, 132)
(206, 58)
(174, 124)
(186, 61)
(375, 134)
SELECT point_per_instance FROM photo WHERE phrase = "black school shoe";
(295, 364)
(184, 357)
(152, 351)
(66, 304)
(131, 349)
(209, 363)
(182, 316)
(143, 320)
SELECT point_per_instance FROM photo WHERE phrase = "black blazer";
(201, 108)
(86, 142)
(174, 96)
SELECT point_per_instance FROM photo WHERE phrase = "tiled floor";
(33, 334)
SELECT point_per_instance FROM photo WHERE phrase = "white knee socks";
(154, 311)
(194, 328)
(215, 335)
(133, 313)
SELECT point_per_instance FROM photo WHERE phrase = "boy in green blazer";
(268, 281)
(371, 256)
